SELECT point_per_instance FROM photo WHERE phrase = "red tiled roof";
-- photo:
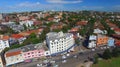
(117, 29)
(82, 23)
(16, 36)
(27, 33)
(111, 24)
(13, 53)
(4, 37)
(74, 29)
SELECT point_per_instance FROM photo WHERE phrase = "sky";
(72, 5)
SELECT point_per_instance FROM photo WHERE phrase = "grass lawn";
(114, 62)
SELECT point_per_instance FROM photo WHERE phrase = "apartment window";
(52, 46)
(32, 52)
(17, 58)
(28, 53)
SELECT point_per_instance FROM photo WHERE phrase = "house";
(4, 42)
(56, 26)
(74, 31)
(82, 23)
(117, 30)
(17, 28)
(3, 27)
(60, 42)
(92, 41)
(37, 23)
(8, 24)
(13, 56)
(27, 33)
(111, 42)
(18, 37)
(102, 40)
(117, 42)
(98, 31)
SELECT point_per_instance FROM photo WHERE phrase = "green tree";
(107, 54)
(96, 59)
(116, 52)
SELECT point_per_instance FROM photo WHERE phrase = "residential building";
(33, 51)
(98, 31)
(117, 30)
(17, 28)
(13, 56)
(82, 23)
(18, 37)
(60, 42)
(56, 26)
(4, 41)
(27, 23)
(92, 41)
(111, 42)
(102, 40)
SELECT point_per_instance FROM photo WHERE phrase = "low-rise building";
(13, 56)
(98, 31)
(111, 42)
(102, 40)
(32, 51)
(17, 28)
(92, 41)
(18, 37)
(60, 42)
(4, 42)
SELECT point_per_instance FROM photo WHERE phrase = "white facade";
(59, 42)
(92, 44)
(14, 58)
(92, 41)
(27, 23)
(98, 31)
(4, 42)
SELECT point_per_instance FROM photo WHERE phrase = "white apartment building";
(60, 42)
(4, 42)
(92, 41)
(27, 23)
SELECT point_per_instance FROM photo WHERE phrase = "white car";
(39, 65)
(93, 49)
(63, 57)
(68, 54)
(64, 61)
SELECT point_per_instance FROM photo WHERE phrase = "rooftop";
(59, 35)
(3, 37)
(13, 53)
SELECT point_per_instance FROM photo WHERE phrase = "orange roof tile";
(117, 29)
(8, 54)
(16, 36)
(82, 23)
(3, 37)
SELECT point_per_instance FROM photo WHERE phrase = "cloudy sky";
(34, 5)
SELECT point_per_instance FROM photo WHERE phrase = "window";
(28, 53)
